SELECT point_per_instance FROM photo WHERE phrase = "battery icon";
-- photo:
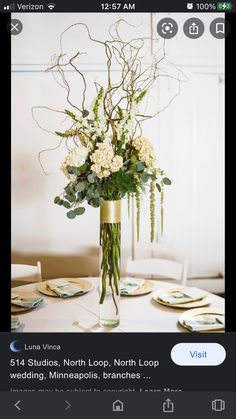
(225, 6)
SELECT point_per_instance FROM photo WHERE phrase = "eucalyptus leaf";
(96, 193)
(77, 171)
(71, 214)
(73, 170)
(70, 198)
(85, 113)
(89, 193)
(70, 170)
(80, 197)
(79, 211)
(91, 178)
(126, 162)
(80, 186)
(139, 167)
(166, 181)
(69, 189)
(57, 200)
(158, 187)
(94, 202)
(66, 204)
(144, 177)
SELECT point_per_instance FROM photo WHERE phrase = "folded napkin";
(29, 301)
(205, 322)
(14, 322)
(181, 296)
(64, 288)
(128, 285)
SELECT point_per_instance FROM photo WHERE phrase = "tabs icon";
(218, 405)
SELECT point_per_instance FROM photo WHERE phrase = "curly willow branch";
(46, 150)
(48, 131)
(134, 79)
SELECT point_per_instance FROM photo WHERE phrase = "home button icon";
(118, 406)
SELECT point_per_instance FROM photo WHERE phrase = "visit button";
(198, 354)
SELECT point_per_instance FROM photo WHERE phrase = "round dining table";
(80, 314)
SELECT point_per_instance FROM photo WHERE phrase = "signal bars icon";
(9, 7)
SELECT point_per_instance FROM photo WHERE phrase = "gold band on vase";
(110, 212)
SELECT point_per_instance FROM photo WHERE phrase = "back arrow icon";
(17, 405)
(68, 405)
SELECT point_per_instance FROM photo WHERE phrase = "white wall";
(189, 137)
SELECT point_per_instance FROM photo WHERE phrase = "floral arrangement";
(108, 156)
(107, 165)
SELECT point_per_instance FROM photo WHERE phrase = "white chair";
(158, 269)
(26, 273)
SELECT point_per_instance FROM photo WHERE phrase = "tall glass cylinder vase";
(110, 242)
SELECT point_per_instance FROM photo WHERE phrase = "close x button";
(198, 354)
(14, 27)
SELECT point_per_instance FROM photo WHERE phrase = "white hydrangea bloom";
(116, 164)
(76, 157)
(146, 152)
(105, 160)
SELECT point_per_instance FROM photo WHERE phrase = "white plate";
(83, 283)
(199, 311)
(199, 303)
(145, 288)
(18, 309)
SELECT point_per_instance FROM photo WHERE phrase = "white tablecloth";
(80, 314)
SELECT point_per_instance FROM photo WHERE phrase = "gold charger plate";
(197, 312)
(199, 303)
(146, 288)
(83, 283)
(18, 309)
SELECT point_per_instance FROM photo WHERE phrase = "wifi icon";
(51, 6)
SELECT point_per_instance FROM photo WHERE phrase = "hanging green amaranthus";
(162, 211)
(128, 202)
(138, 213)
(152, 209)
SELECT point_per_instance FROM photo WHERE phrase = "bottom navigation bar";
(179, 405)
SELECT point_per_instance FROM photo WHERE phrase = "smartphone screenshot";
(115, 296)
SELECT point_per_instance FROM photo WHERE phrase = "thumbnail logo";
(13, 346)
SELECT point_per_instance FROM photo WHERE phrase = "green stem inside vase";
(110, 240)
